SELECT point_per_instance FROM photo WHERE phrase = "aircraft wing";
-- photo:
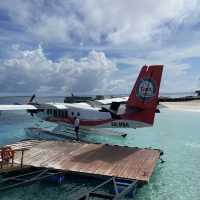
(116, 99)
(33, 106)
(60, 106)
(37, 106)
(17, 107)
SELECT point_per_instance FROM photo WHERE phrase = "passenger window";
(66, 113)
(72, 113)
(55, 113)
(62, 113)
(78, 114)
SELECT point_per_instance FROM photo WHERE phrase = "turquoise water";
(176, 133)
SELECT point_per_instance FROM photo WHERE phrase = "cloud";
(126, 35)
(178, 76)
(110, 22)
(31, 71)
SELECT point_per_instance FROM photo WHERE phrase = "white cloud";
(31, 71)
(146, 32)
(177, 76)
(109, 21)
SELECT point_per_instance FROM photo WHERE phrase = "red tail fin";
(144, 95)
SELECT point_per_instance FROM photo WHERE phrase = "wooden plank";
(26, 144)
(99, 159)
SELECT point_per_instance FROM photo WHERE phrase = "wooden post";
(22, 158)
(1, 159)
(13, 158)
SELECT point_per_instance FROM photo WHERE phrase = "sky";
(58, 47)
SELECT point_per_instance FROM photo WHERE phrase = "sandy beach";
(192, 106)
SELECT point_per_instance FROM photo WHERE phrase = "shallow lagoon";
(177, 133)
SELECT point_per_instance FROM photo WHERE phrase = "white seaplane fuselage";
(88, 115)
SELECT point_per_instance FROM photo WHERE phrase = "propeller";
(32, 98)
(32, 112)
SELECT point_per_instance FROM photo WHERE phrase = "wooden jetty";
(92, 159)
(122, 168)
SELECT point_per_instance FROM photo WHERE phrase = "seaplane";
(134, 111)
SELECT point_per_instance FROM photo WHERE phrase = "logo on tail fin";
(146, 89)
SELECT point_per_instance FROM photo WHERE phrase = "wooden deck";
(95, 159)
(25, 144)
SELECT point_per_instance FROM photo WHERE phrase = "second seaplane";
(135, 111)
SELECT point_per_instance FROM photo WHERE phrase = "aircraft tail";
(142, 102)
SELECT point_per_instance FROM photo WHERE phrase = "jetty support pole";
(117, 193)
(22, 158)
